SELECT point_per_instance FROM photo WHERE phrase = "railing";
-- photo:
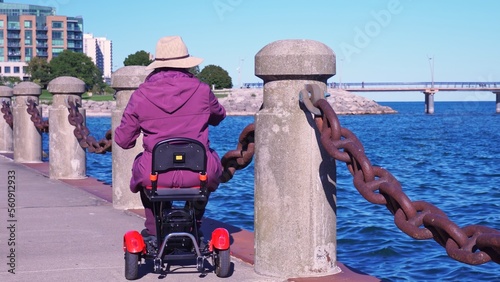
(407, 85)
(14, 35)
(416, 85)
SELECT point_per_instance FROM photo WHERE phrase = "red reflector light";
(222, 241)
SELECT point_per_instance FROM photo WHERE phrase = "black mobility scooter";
(178, 237)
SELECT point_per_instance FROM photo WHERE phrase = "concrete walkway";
(69, 231)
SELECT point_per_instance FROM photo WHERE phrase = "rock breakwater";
(248, 102)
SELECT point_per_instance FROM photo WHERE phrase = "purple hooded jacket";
(170, 103)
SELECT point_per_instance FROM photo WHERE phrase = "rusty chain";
(233, 160)
(472, 244)
(7, 113)
(36, 116)
(242, 156)
(82, 133)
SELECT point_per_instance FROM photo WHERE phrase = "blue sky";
(374, 40)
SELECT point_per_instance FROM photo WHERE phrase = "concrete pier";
(429, 100)
(125, 81)
(26, 137)
(295, 194)
(6, 145)
(67, 158)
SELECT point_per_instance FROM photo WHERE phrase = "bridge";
(427, 88)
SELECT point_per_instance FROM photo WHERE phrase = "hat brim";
(184, 63)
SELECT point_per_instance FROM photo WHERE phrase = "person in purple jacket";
(170, 103)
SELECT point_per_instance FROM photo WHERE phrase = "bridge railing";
(407, 85)
(415, 85)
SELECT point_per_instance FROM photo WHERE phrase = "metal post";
(431, 66)
(67, 158)
(125, 81)
(295, 195)
(6, 145)
(26, 137)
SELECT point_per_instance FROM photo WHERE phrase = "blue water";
(450, 159)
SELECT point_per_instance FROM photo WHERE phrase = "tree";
(195, 70)
(215, 75)
(140, 58)
(79, 65)
(10, 81)
(39, 70)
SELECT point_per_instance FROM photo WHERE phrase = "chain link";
(82, 133)
(36, 116)
(242, 156)
(7, 113)
(472, 244)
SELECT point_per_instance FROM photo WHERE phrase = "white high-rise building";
(100, 50)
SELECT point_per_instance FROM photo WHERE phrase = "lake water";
(450, 159)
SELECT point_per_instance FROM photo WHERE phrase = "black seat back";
(179, 154)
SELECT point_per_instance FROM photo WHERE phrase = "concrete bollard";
(6, 145)
(26, 137)
(67, 158)
(125, 81)
(295, 194)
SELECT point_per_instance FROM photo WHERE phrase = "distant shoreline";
(247, 102)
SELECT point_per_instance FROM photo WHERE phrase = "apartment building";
(28, 31)
(100, 50)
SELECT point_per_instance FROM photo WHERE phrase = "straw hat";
(171, 52)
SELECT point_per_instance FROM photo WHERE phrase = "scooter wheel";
(222, 263)
(199, 264)
(131, 265)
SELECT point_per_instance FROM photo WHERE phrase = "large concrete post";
(67, 158)
(295, 194)
(26, 137)
(125, 81)
(6, 145)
